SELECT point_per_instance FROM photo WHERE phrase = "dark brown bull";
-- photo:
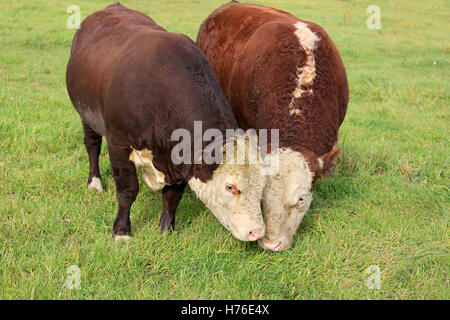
(135, 83)
(280, 72)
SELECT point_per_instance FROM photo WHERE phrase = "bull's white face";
(234, 196)
(286, 199)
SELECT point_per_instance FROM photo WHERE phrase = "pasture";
(386, 205)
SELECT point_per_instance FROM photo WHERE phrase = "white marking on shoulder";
(143, 160)
(307, 73)
(96, 184)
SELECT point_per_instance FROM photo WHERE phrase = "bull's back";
(134, 82)
(102, 39)
(257, 56)
(225, 33)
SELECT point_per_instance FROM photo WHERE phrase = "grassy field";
(386, 205)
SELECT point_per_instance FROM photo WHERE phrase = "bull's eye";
(232, 188)
(300, 201)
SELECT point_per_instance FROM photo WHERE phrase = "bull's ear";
(327, 162)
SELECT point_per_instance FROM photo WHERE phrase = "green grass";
(387, 203)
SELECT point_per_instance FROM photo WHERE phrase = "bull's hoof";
(96, 184)
(124, 238)
(121, 233)
(166, 226)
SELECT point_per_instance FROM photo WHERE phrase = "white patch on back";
(96, 184)
(307, 73)
(143, 160)
(320, 163)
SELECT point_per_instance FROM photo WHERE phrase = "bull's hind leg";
(171, 198)
(93, 143)
(127, 188)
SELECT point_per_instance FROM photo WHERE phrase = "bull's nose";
(274, 246)
(255, 235)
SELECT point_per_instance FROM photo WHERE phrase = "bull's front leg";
(127, 188)
(93, 143)
(171, 198)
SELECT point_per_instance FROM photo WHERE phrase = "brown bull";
(280, 72)
(135, 83)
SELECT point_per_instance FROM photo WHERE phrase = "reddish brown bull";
(135, 83)
(280, 72)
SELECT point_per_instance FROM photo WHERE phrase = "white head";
(288, 195)
(234, 193)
